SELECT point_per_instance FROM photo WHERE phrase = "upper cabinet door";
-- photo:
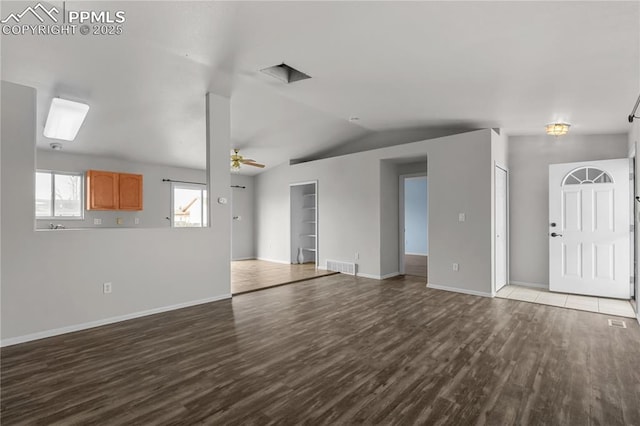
(102, 190)
(130, 196)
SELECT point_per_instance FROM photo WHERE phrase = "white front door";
(501, 228)
(589, 228)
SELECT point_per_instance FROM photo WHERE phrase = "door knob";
(554, 234)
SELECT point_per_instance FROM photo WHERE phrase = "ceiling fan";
(237, 160)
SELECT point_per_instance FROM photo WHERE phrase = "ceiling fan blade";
(254, 164)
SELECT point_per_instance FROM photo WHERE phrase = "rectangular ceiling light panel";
(65, 118)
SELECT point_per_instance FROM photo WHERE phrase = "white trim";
(417, 254)
(459, 290)
(244, 258)
(363, 275)
(84, 326)
(391, 275)
(378, 277)
(273, 260)
(526, 284)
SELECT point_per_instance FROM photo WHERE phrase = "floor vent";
(617, 323)
(342, 267)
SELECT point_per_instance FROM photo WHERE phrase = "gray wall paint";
(242, 231)
(529, 159)
(416, 216)
(634, 149)
(350, 207)
(157, 194)
(389, 210)
(53, 279)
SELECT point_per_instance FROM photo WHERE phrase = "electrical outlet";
(106, 288)
(456, 267)
(136, 221)
(357, 256)
(97, 221)
(119, 221)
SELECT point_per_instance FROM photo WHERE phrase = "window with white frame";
(188, 205)
(59, 195)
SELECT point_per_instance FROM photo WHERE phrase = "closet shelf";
(309, 249)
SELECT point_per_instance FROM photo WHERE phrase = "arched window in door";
(585, 175)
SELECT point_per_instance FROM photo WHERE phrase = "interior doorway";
(304, 223)
(414, 230)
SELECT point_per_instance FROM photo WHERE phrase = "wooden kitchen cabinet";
(113, 191)
(130, 196)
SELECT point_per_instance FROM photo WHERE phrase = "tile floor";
(621, 308)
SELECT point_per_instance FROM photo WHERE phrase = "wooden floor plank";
(335, 350)
(252, 275)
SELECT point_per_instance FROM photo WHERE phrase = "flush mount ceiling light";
(64, 119)
(557, 129)
(56, 146)
(286, 73)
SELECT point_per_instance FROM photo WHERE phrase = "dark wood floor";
(253, 275)
(415, 265)
(338, 350)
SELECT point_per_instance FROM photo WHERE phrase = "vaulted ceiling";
(395, 65)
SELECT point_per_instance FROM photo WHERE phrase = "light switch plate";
(461, 217)
(97, 221)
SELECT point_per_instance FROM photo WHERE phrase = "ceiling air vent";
(284, 72)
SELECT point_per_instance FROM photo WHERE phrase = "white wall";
(529, 159)
(242, 231)
(156, 193)
(52, 280)
(634, 149)
(351, 203)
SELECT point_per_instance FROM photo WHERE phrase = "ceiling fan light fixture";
(557, 129)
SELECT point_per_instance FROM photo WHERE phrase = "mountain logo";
(38, 11)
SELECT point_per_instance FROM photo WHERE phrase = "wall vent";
(286, 73)
(348, 268)
(617, 323)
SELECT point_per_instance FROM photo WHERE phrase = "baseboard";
(526, 284)
(273, 260)
(391, 275)
(92, 324)
(243, 258)
(459, 290)
(378, 277)
(363, 275)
